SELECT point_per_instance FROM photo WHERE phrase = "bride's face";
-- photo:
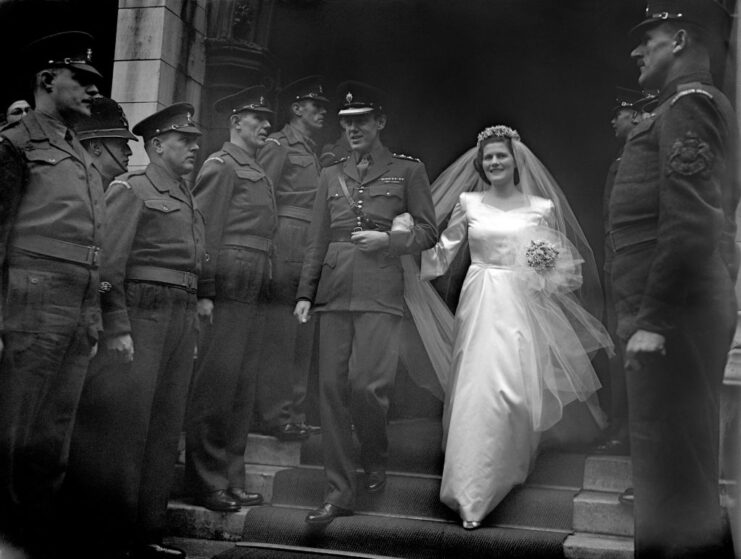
(498, 164)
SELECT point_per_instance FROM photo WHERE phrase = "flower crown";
(498, 131)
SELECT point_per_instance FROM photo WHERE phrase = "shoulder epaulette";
(407, 157)
(123, 183)
(692, 91)
(214, 158)
(274, 140)
(336, 161)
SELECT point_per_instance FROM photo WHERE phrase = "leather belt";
(248, 241)
(187, 280)
(632, 234)
(55, 248)
(296, 212)
(345, 235)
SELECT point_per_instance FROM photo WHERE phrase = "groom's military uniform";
(672, 231)
(360, 297)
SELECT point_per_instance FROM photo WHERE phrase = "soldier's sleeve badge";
(689, 156)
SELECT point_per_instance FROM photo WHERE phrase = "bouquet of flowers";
(541, 255)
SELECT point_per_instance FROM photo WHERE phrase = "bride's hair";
(478, 162)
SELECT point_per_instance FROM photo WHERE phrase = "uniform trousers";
(223, 392)
(674, 432)
(358, 357)
(125, 443)
(618, 390)
(51, 313)
(286, 360)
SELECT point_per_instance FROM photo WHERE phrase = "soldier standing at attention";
(105, 135)
(52, 215)
(672, 219)
(237, 200)
(290, 162)
(352, 274)
(126, 442)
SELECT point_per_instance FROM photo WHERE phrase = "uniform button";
(164, 207)
(34, 280)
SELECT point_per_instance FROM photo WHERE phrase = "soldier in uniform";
(17, 110)
(672, 229)
(290, 162)
(625, 115)
(126, 441)
(352, 275)
(51, 218)
(237, 200)
(105, 135)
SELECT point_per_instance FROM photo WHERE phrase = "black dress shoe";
(326, 514)
(627, 497)
(289, 432)
(243, 498)
(219, 501)
(156, 551)
(613, 447)
(376, 481)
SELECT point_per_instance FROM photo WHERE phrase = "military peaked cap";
(70, 49)
(308, 88)
(708, 14)
(357, 98)
(625, 99)
(106, 120)
(175, 118)
(251, 99)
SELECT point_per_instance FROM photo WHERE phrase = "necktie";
(363, 165)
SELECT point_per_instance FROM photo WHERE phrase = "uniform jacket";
(291, 163)
(606, 195)
(236, 198)
(335, 275)
(672, 210)
(50, 185)
(155, 223)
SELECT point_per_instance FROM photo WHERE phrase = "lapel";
(294, 137)
(381, 163)
(350, 170)
(241, 156)
(40, 129)
(166, 183)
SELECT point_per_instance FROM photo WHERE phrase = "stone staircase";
(602, 526)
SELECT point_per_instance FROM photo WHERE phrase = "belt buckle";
(191, 281)
(92, 255)
(357, 229)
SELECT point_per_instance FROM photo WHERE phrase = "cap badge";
(188, 117)
(348, 98)
(262, 100)
(321, 91)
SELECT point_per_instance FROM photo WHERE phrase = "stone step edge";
(601, 512)
(582, 545)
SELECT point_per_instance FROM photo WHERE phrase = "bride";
(521, 335)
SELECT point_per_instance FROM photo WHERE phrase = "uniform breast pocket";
(165, 206)
(386, 200)
(46, 156)
(254, 188)
(301, 160)
(640, 159)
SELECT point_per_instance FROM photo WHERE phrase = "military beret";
(708, 14)
(106, 120)
(357, 98)
(251, 99)
(175, 118)
(308, 88)
(70, 49)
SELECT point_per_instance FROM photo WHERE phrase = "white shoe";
(471, 524)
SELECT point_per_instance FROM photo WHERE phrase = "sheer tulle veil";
(434, 320)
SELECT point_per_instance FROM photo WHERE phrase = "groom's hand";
(369, 241)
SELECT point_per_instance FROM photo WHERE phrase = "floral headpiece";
(498, 131)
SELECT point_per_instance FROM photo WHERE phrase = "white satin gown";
(506, 387)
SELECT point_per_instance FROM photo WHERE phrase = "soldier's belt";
(345, 235)
(55, 248)
(156, 274)
(296, 212)
(633, 234)
(248, 241)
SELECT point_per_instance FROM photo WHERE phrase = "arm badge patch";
(690, 156)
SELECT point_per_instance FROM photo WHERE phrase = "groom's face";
(363, 131)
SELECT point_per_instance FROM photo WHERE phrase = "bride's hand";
(402, 222)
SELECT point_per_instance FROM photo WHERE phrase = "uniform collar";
(57, 132)
(295, 136)
(165, 180)
(670, 89)
(239, 154)
(380, 161)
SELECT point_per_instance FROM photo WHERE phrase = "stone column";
(160, 58)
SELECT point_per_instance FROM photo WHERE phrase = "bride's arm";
(435, 261)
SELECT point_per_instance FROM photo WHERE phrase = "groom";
(352, 275)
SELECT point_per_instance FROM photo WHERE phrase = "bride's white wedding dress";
(517, 360)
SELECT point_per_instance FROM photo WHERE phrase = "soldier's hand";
(645, 345)
(301, 312)
(205, 309)
(369, 241)
(121, 347)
